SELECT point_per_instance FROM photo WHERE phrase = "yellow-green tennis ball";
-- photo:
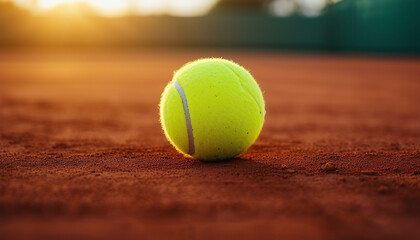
(212, 109)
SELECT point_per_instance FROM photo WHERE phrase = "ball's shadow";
(228, 160)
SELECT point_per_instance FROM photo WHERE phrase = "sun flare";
(48, 4)
(115, 8)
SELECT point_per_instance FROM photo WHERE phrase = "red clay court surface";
(82, 154)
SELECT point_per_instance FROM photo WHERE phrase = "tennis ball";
(213, 109)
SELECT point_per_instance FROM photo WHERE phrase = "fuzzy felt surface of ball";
(213, 109)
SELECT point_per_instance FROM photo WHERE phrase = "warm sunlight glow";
(48, 4)
(109, 7)
(190, 7)
(174, 7)
(115, 8)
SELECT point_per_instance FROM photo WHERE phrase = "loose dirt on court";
(82, 154)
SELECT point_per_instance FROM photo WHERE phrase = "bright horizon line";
(118, 8)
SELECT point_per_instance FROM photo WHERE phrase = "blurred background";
(367, 26)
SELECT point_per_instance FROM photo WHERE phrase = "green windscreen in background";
(377, 26)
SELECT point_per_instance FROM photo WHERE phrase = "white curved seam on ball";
(178, 87)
